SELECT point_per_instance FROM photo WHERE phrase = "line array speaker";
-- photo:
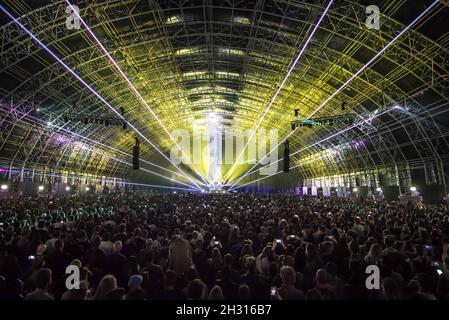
(136, 151)
(286, 156)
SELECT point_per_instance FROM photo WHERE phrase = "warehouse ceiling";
(161, 66)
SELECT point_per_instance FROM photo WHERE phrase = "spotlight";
(413, 189)
(41, 188)
(38, 109)
(87, 189)
(379, 189)
(67, 188)
(355, 190)
(4, 187)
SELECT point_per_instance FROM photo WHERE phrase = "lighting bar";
(281, 85)
(129, 82)
(92, 90)
(353, 77)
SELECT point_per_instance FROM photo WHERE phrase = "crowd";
(169, 246)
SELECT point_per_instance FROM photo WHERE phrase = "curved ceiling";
(188, 59)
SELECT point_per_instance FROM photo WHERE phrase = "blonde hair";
(216, 293)
(108, 283)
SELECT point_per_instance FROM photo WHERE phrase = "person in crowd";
(257, 283)
(82, 293)
(43, 283)
(107, 284)
(216, 293)
(57, 261)
(374, 255)
(170, 291)
(196, 290)
(135, 291)
(288, 291)
(115, 263)
(390, 290)
(180, 253)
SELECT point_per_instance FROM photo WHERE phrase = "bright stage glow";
(4, 187)
(41, 188)
(413, 189)
(213, 150)
(67, 188)
(379, 189)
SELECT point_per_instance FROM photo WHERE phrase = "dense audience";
(138, 246)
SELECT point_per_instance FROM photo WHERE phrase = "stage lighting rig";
(345, 119)
(95, 120)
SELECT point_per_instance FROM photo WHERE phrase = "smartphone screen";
(273, 291)
(278, 240)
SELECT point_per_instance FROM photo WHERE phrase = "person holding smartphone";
(278, 246)
(274, 294)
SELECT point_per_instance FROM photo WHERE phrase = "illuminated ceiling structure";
(169, 64)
